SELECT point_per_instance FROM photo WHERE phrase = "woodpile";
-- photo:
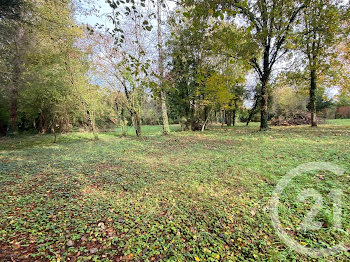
(295, 119)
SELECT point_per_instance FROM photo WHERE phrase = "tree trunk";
(264, 101)
(92, 121)
(313, 87)
(234, 117)
(206, 116)
(123, 122)
(13, 108)
(42, 124)
(137, 123)
(135, 116)
(229, 117)
(263, 92)
(54, 135)
(222, 118)
(205, 124)
(166, 129)
(16, 75)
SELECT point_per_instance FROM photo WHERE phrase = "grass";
(147, 130)
(186, 197)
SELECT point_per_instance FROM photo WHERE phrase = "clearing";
(189, 196)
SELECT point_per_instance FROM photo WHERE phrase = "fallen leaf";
(93, 250)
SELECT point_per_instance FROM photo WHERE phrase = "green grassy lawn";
(186, 197)
(147, 130)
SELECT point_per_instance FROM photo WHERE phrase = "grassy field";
(186, 197)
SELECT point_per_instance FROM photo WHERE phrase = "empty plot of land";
(189, 196)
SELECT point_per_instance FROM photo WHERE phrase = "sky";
(97, 16)
(102, 9)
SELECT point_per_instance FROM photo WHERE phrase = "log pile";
(295, 119)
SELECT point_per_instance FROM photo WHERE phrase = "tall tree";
(13, 40)
(320, 24)
(269, 22)
(207, 69)
(166, 129)
(131, 23)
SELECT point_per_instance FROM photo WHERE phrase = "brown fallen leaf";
(16, 245)
(253, 212)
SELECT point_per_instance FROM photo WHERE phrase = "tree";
(208, 69)
(123, 70)
(166, 129)
(188, 54)
(13, 42)
(51, 96)
(341, 61)
(131, 24)
(320, 24)
(269, 22)
(45, 74)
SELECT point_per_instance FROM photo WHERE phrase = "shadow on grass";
(337, 127)
(31, 141)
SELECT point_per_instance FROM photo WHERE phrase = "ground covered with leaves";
(186, 197)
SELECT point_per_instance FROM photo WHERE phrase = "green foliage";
(10, 9)
(208, 69)
(320, 25)
(269, 24)
(344, 99)
(287, 101)
(4, 112)
(52, 80)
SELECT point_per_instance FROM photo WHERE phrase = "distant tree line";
(159, 64)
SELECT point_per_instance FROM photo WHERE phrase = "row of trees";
(45, 83)
(310, 30)
(196, 62)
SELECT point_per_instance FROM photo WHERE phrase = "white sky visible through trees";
(99, 17)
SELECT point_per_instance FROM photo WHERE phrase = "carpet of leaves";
(186, 197)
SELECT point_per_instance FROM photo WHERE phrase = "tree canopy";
(193, 63)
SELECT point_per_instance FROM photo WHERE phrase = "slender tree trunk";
(41, 123)
(123, 122)
(229, 117)
(133, 109)
(234, 113)
(92, 121)
(166, 129)
(207, 116)
(13, 108)
(137, 123)
(16, 75)
(54, 135)
(222, 118)
(234, 117)
(313, 87)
